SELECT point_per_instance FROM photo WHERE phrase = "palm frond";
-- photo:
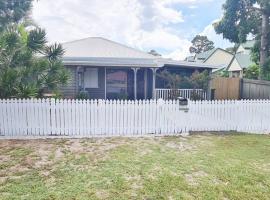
(54, 52)
(36, 40)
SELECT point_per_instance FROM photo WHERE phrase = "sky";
(166, 26)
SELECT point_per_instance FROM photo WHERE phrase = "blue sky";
(167, 26)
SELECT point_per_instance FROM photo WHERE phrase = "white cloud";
(143, 24)
(219, 41)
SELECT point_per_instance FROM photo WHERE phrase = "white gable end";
(220, 58)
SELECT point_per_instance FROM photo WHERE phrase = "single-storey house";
(109, 70)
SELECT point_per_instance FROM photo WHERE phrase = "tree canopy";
(244, 17)
(201, 44)
(13, 12)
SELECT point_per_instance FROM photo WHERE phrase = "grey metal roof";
(244, 60)
(206, 54)
(102, 52)
(185, 64)
(97, 47)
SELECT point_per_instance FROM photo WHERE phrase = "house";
(241, 60)
(218, 57)
(235, 64)
(109, 70)
(238, 65)
(245, 48)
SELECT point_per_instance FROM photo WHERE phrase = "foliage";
(173, 81)
(28, 66)
(200, 80)
(265, 75)
(82, 95)
(22, 73)
(122, 95)
(196, 81)
(224, 73)
(13, 12)
(255, 52)
(238, 20)
(241, 18)
(252, 72)
(201, 44)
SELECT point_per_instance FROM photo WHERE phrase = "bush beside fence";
(100, 118)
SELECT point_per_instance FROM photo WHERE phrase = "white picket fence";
(167, 94)
(20, 118)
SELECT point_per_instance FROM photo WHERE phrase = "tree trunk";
(264, 41)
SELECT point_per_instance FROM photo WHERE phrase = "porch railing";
(167, 94)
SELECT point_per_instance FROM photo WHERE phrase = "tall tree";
(28, 66)
(13, 11)
(242, 17)
(201, 44)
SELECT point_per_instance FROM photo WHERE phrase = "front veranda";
(133, 83)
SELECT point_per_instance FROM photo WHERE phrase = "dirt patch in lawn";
(20, 156)
(194, 178)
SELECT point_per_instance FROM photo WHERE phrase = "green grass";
(195, 167)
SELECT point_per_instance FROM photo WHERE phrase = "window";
(91, 78)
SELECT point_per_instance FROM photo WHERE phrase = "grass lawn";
(194, 167)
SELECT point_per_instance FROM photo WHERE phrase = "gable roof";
(97, 47)
(214, 51)
(248, 44)
(206, 54)
(203, 57)
(244, 60)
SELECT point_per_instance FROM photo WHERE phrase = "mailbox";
(183, 104)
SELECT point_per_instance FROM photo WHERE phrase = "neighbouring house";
(108, 70)
(238, 65)
(245, 48)
(241, 60)
(235, 64)
(218, 57)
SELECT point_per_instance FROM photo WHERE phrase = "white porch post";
(145, 84)
(154, 70)
(135, 82)
(105, 82)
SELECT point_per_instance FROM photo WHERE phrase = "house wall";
(98, 93)
(242, 50)
(220, 58)
(71, 89)
(235, 66)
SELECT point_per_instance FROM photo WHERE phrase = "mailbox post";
(183, 104)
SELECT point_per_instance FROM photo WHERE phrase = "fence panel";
(171, 94)
(91, 118)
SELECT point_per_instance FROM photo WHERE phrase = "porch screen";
(116, 84)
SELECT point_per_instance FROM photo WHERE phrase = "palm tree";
(28, 66)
